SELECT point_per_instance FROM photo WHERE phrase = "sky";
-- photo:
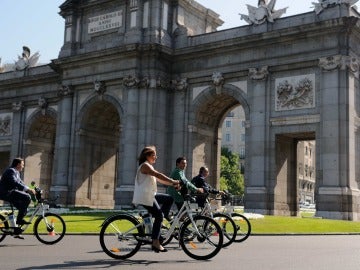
(37, 24)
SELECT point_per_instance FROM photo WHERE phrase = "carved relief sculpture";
(99, 87)
(26, 61)
(330, 63)
(131, 81)
(64, 90)
(179, 84)
(144, 82)
(163, 83)
(5, 125)
(42, 104)
(296, 92)
(264, 12)
(218, 81)
(17, 106)
(258, 73)
(353, 64)
(323, 4)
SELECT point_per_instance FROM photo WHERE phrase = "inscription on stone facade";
(5, 124)
(296, 92)
(105, 22)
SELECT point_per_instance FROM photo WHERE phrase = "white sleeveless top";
(145, 187)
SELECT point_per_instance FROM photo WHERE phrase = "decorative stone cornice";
(179, 84)
(17, 106)
(134, 5)
(162, 83)
(218, 81)
(258, 74)
(144, 83)
(131, 81)
(65, 90)
(330, 62)
(352, 63)
(342, 62)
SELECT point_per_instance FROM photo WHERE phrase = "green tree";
(231, 178)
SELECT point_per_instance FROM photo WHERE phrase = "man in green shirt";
(179, 174)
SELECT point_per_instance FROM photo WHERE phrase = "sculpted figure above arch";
(323, 4)
(264, 12)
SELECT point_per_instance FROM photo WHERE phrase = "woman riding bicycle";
(145, 193)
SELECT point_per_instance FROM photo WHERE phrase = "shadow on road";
(96, 264)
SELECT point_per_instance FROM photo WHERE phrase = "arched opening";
(39, 150)
(233, 154)
(98, 155)
(212, 113)
(306, 174)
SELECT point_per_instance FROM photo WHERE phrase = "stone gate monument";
(132, 73)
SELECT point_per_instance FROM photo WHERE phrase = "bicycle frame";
(39, 210)
(184, 212)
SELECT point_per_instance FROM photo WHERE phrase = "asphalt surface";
(321, 252)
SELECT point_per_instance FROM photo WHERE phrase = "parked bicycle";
(227, 224)
(48, 228)
(200, 237)
(243, 225)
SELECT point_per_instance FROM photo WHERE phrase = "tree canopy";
(231, 178)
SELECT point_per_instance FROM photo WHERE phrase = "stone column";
(256, 190)
(337, 193)
(18, 125)
(128, 145)
(62, 143)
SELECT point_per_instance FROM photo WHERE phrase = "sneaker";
(22, 222)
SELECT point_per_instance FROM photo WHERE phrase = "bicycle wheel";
(202, 239)
(119, 234)
(4, 225)
(243, 227)
(228, 227)
(49, 229)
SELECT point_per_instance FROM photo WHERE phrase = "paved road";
(256, 253)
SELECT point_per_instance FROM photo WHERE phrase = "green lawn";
(301, 225)
(91, 222)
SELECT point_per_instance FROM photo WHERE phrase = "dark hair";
(16, 161)
(203, 169)
(147, 151)
(179, 159)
